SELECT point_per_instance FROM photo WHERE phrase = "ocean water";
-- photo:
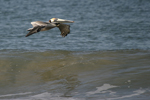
(106, 56)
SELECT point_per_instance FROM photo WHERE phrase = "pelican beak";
(64, 21)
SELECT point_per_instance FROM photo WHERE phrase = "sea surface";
(106, 56)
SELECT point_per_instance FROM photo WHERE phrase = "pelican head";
(58, 20)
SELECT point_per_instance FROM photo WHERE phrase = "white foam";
(42, 96)
(49, 96)
(106, 89)
(57, 96)
(17, 94)
(102, 89)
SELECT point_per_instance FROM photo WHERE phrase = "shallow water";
(75, 75)
(105, 57)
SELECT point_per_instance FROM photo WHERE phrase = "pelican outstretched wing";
(65, 29)
(35, 30)
(40, 26)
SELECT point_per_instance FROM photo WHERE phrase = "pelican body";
(54, 22)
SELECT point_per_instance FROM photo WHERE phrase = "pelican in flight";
(54, 22)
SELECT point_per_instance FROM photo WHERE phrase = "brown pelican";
(54, 22)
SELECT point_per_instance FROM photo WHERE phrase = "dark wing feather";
(65, 29)
(35, 30)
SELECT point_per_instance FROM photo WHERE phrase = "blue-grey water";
(106, 56)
